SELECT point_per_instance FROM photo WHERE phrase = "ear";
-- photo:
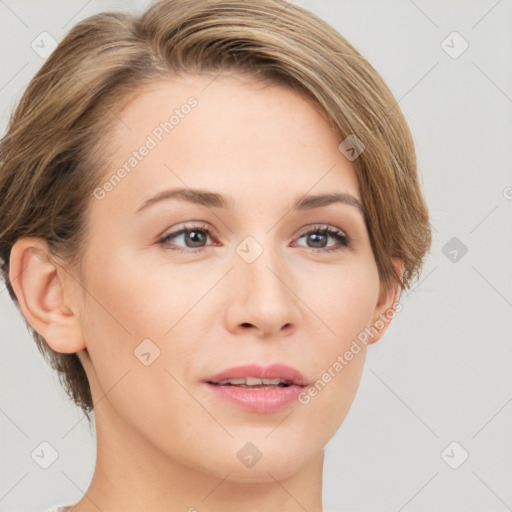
(39, 285)
(387, 305)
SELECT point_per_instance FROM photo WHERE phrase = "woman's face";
(252, 282)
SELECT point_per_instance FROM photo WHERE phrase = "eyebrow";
(215, 200)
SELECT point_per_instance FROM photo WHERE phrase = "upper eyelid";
(314, 227)
(203, 226)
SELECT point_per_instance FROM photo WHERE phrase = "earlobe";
(38, 284)
(386, 306)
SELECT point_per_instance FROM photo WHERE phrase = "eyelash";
(337, 234)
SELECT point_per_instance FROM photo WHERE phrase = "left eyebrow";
(215, 200)
(316, 201)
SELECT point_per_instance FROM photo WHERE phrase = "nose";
(262, 297)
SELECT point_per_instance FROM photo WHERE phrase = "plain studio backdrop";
(430, 425)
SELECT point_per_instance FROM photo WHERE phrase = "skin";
(165, 442)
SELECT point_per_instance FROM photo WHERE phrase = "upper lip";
(274, 371)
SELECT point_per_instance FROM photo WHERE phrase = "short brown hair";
(54, 152)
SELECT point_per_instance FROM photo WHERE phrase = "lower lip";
(258, 400)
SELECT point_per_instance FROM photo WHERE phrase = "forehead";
(225, 131)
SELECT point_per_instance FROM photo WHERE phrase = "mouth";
(258, 389)
(254, 383)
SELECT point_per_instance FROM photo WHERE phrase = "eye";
(318, 235)
(193, 236)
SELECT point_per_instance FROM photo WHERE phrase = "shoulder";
(61, 508)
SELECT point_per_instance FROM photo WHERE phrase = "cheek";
(133, 316)
(345, 305)
(132, 301)
(343, 298)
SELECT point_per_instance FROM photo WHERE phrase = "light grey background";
(442, 373)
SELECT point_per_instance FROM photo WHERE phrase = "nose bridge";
(263, 295)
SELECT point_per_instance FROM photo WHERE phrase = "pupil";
(318, 236)
(194, 235)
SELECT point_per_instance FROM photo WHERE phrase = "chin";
(261, 472)
(274, 463)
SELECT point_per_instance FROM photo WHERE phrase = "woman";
(208, 212)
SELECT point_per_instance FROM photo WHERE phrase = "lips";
(287, 375)
(287, 384)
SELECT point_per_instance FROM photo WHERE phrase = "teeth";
(251, 381)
